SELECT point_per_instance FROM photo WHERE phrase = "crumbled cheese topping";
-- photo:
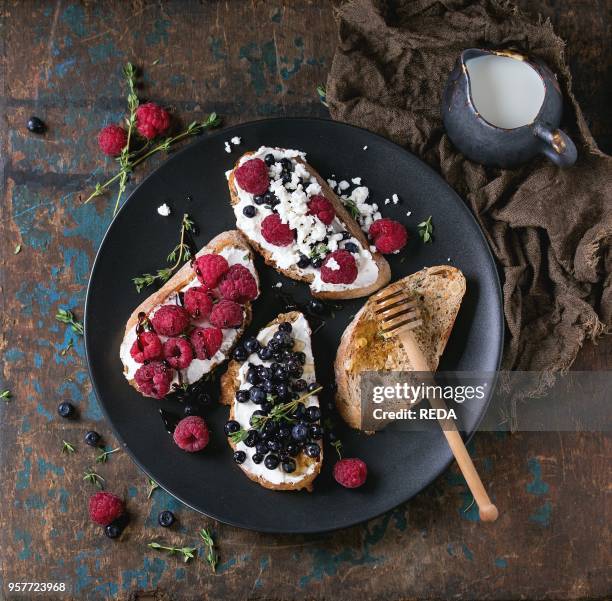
(164, 210)
(343, 185)
(356, 181)
(332, 264)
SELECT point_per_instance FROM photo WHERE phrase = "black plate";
(138, 240)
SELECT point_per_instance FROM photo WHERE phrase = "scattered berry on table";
(113, 530)
(191, 434)
(388, 235)
(165, 518)
(339, 267)
(66, 409)
(276, 232)
(112, 139)
(170, 320)
(105, 507)
(206, 341)
(146, 347)
(350, 473)
(92, 438)
(190, 410)
(36, 125)
(154, 379)
(252, 176)
(316, 306)
(226, 314)
(210, 268)
(198, 302)
(151, 120)
(238, 284)
(322, 208)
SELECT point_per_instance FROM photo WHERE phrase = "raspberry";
(252, 176)
(112, 139)
(275, 231)
(191, 434)
(154, 379)
(178, 353)
(210, 269)
(105, 507)
(389, 236)
(206, 341)
(238, 285)
(197, 302)
(170, 320)
(339, 267)
(146, 347)
(322, 208)
(226, 314)
(351, 473)
(151, 120)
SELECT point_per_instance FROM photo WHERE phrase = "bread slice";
(225, 242)
(307, 468)
(439, 291)
(292, 271)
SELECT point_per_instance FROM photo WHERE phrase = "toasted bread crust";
(231, 238)
(438, 311)
(230, 385)
(384, 271)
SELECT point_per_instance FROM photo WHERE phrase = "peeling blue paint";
(74, 17)
(467, 553)
(542, 515)
(103, 51)
(260, 59)
(62, 69)
(34, 501)
(24, 475)
(500, 562)
(537, 486)
(46, 466)
(159, 35)
(14, 354)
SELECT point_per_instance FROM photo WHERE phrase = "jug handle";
(556, 145)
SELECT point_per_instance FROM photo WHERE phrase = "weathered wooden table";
(62, 61)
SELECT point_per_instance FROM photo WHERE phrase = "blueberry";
(269, 159)
(249, 211)
(278, 355)
(313, 413)
(274, 345)
(190, 410)
(252, 438)
(312, 387)
(288, 466)
(231, 426)
(284, 338)
(239, 457)
(286, 164)
(303, 262)
(266, 406)
(299, 385)
(286, 178)
(312, 449)
(255, 416)
(316, 306)
(257, 395)
(252, 344)
(315, 432)
(165, 518)
(261, 447)
(264, 353)
(265, 373)
(271, 461)
(36, 125)
(66, 409)
(268, 386)
(270, 429)
(351, 247)
(92, 438)
(292, 449)
(273, 445)
(285, 326)
(301, 357)
(259, 199)
(270, 198)
(317, 262)
(204, 398)
(284, 433)
(242, 396)
(298, 412)
(113, 530)
(240, 353)
(299, 432)
(346, 235)
(281, 374)
(252, 376)
(295, 368)
(257, 457)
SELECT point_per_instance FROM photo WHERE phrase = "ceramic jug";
(502, 109)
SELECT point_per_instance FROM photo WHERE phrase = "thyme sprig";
(93, 478)
(319, 251)
(67, 447)
(352, 208)
(426, 230)
(6, 395)
(337, 444)
(179, 254)
(322, 92)
(66, 316)
(131, 157)
(187, 552)
(152, 486)
(103, 456)
(212, 556)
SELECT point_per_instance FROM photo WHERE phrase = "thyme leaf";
(66, 316)
(426, 230)
(212, 556)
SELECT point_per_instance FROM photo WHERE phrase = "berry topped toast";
(301, 228)
(189, 326)
(274, 418)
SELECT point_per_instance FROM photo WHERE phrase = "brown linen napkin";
(549, 229)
